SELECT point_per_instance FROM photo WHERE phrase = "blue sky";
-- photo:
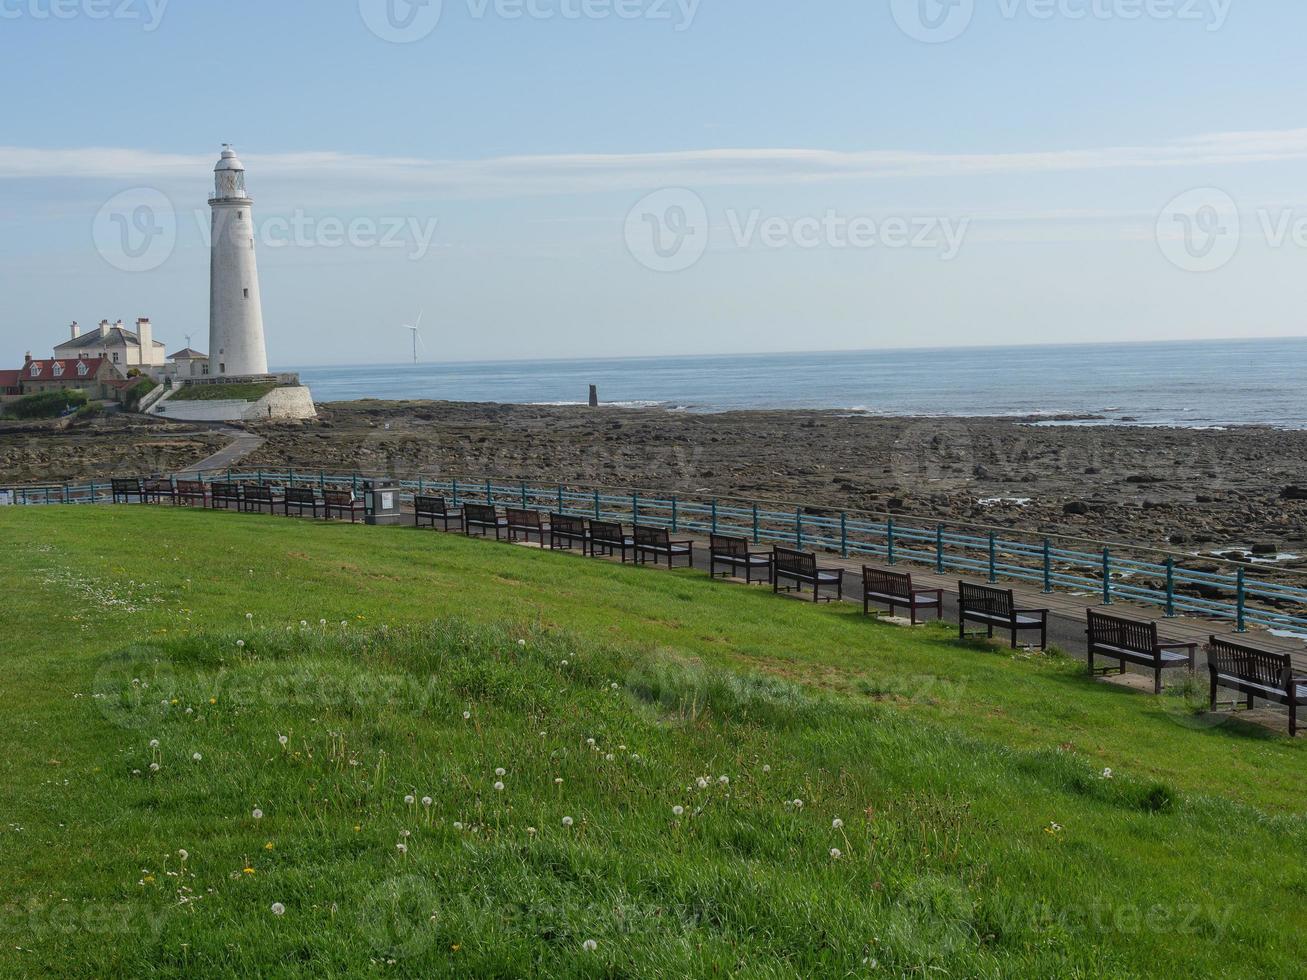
(716, 176)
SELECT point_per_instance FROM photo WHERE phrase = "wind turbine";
(417, 337)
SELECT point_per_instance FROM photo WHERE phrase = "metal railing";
(1109, 573)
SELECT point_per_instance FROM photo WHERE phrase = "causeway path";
(242, 444)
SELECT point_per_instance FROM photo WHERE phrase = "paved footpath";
(243, 443)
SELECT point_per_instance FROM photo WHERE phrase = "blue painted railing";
(1110, 573)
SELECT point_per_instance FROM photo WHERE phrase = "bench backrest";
(522, 518)
(230, 491)
(480, 513)
(884, 582)
(983, 599)
(426, 506)
(255, 492)
(158, 486)
(126, 486)
(606, 532)
(563, 524)
(1128, 634)
(1249, 663)
(338, 498)
(656, 537)
(729, 545)
(301, 495)
(794, 562)
(190, 488)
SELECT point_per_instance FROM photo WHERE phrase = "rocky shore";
(1239, 492)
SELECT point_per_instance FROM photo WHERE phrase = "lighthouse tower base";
(248, 399)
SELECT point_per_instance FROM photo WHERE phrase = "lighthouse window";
(240, 215)
(247, 294)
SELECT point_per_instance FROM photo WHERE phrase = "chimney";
(104, 329)
(27, 358)
(76, 330)
(119, 324)
(145, 333)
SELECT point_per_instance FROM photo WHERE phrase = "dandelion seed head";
(837, 823)
(589, 945)
(257, 814)
(567, 821)
(501, 771)
(426, 801)
(678, 810)
(154, 743)
(196, 757)
(835, 853)
(499, 787)
(408, 799)
(278, 908)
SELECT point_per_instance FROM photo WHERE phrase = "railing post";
(844, 535)
(490, 494)
(1048, 567)
(259, 472)
(322, 480)
(714, 515)
(92, 493)
(993, 558)
(1170, 588)
(65, 493)
(524, 495)
(1107, 575)
(757, 538)
(598, 515)
(889, 540)
(560, 498)
(635, 508)
(47, 495)
(291, 478)
(228, 474)
(939, 549)
(23, 491)
(676, 516)
(354, 484)
(453, 487)
(1241, 603)
(798, 528)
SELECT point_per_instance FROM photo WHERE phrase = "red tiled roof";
(68, 369)
(10, 379)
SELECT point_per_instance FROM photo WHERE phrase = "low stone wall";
(280, 403)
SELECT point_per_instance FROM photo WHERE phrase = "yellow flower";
(213, 700)
(248, 871)
(268, 846)
(357, 828)
(149, 879)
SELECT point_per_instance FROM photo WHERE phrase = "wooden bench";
(300, 498)
(1136, 641)
(433, 509)
(734, 554)
(190, 492)
(657, 541)
(524, 523)
(483, 518)
(996, 609)
(224, 495)
(341, 503)
(256, 498)
(800, 567)
(124, 490)
(895, 589)
(1257, 674)
(568, 532)
(157, 488)
(610, 538)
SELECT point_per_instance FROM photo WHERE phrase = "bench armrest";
(1028, 612)
(1178, 646)
(934, 592)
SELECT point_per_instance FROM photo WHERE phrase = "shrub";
(133, 395)
(47, 404)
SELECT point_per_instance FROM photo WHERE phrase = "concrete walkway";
(243, 443)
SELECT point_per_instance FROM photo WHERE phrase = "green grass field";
(243, 745)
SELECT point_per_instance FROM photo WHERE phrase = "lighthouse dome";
(229, 160)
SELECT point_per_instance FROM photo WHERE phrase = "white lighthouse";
(236, 346)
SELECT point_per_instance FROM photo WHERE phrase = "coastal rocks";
(1294, 493)
(1076, 507)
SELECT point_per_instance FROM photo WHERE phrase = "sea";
(1207, 384)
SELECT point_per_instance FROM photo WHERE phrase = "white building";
(236, 345)
(124, 349)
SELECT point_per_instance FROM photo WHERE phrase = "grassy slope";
(947, 786)
(238, 392)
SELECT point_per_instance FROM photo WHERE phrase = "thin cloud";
(585, 173)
